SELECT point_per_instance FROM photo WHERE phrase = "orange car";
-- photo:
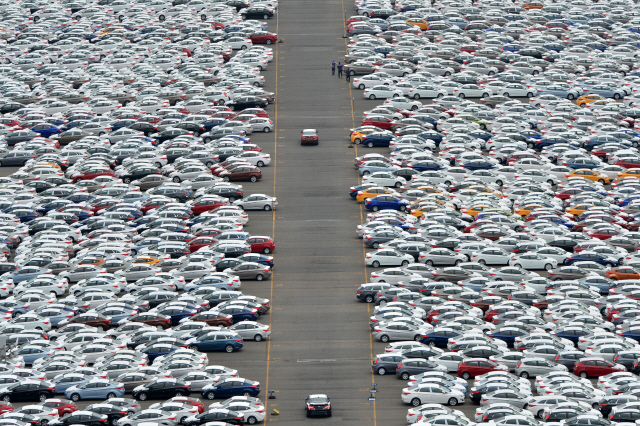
(533, 5)
(418, 22)
(588, 174)
(356, 137)
(147, 260)
(578, 209)
(622, 273)
(94, 261)
(422, 210)
(372, 192)
(587, 99)
(635, 172)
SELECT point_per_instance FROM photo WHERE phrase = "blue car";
(582, 163)
(240, 313)
(531, 134)
(54, 205)
(25, 215)
(586, 256)
(549, 141)
(431, 135)
(13, 306)
(508, 336)
(633, 333)
(439, 338)
(56, 315)
(607, 91)
(116, 313)
(598, 140)
(80, 197)
(479, 165)
(30, 353)
(558, 221)
(177, 313)
(480, 134)
(258, 258)
(382, 139)
(210, 123)
(68, 380)
(95, 389)
(122, 123)
(385, 202)
(598, 283)
(559, 91)
(231, 386)
(427, 165)
(573, 335)
(216, 341)
(158, 349)
(26, 273)
(512, 47)
(46, 129)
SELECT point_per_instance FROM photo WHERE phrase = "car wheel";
(440, 95)
(405, 263)
(461, 95)
(506, 94)
(193, 347)
(466, 375)
(458, 262)
(517, 265)
(126, 180)
(429, 262)
(253, 179)
(75, 397)
(384, 338)
(375, 264)
(370, 144)
(372, 97)
(570, 96)
(404, 376)
(257, 338)
(524, 375)
(482, 262)
(361, 87)
(100, 328)
(417, 337)
(584, 375)
(616, 96)
(6, 398)
(453, 401)
(159, 328)
(111, 395)
(416, 402)
(375, 245)
(252, 420)
(395, 95)
(259, 277)
(381, 371)
(375, 208)
(548, 267)
(540, 414)
(210, 395)
(228, 349)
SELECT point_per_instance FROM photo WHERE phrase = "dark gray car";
(386, 363)
(15, 158)
(409, 367)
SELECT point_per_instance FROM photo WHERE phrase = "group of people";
(340, 66)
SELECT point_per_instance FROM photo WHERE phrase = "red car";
(473, 367)
(248, 172)
(309, 137)
(63, 407)
(6, 407)
(104, 204)
(200, 242)
(604, 233)
(596, 367)
(92, 174)
(263, 37)
(495, 312)
(208, 204)
(629, 163)
(258, 112)
(378, 121)
(261, 244)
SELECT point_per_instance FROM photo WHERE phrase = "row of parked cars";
(500, 197)
(125, 251)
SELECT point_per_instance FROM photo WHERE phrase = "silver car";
(531, 367)
(198, 379)
(251, 330)
(180, 410)
(506, 396)
(257, 202)
(398, 331)
(149, 415)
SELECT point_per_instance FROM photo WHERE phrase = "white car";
(491, 256)
(239, 43)
(427, 91)
(533, 261)
(472, 91)
(381, 92)
(370, 81)
(451, 360)
(255, 158)
(32, 321)
(387, 257)
(403, 103)
(515, 90)
(418, 395)
(392, 276)
(384, 179)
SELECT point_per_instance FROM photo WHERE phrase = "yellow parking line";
(273, 212)
(353, 123)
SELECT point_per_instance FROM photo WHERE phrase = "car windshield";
(317, 399)
(308, 133)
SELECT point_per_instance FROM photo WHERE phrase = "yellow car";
(484, 190)
(630, 173)
(356, 137)
(420, 23)
(372, 192)
(422, 210)
(587, 99)
(147, 260)
(43, 164)
(578, 209)
(475, 210)
(588, 174)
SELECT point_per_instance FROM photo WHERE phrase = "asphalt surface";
(320, 339)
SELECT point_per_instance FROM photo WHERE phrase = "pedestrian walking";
(348, 75)
(333, 67)
(339, 70)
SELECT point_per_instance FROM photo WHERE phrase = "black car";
(215, 415)
(242, 102)
(318, 405)
(28, 390)
(257, 12)
(367, 292)
(113, 412)
(146, 128)
(161, 389)
(169, 134)
(139, 173)
(610, 401)
(86, 418)
(476, 393)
